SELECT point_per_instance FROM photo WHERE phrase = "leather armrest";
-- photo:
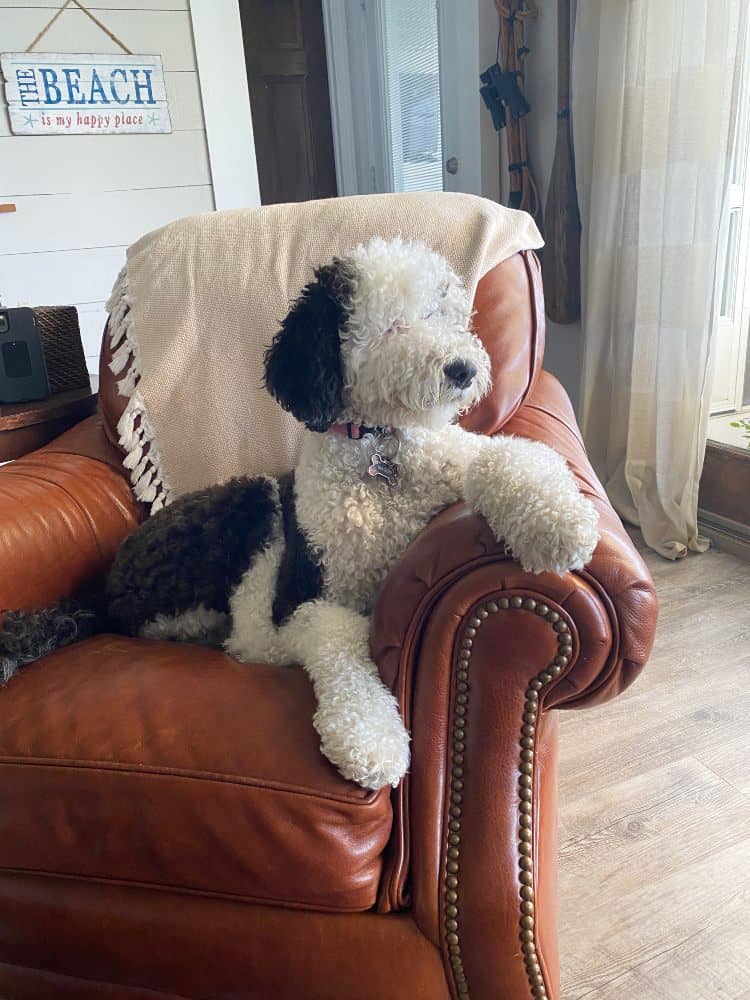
(617, 572)
(64, 510)
(477, 651)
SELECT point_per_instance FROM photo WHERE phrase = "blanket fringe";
(136, 434)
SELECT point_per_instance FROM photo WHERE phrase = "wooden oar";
(561, 259)
(505, 11)
(530, 202)
(523, 192)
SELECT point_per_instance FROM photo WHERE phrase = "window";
(731, 387)
(412, 92)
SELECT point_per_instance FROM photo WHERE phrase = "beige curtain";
(655, 92)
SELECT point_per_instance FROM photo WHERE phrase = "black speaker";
(23, 371)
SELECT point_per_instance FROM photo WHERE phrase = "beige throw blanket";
(199, 300)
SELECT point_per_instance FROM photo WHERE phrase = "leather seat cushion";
(170, 765)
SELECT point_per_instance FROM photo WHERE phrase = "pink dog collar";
(356, 432)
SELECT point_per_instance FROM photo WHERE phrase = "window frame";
(733, 330)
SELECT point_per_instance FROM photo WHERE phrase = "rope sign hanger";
(88, 13)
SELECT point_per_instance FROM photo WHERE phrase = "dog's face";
(381, 337)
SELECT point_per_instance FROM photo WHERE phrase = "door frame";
(461, 105)
(353, 33)
(222, 78)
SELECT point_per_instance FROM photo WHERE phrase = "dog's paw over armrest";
(531, 500)
(611, 603)
(614, 582)
(63, 514)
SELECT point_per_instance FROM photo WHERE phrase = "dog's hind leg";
(357, 717)
(173, 577)
(281, 576)
(253, 636)
(200, 625)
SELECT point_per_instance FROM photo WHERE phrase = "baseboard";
(726, 534)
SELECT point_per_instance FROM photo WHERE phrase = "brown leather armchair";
(168, 824)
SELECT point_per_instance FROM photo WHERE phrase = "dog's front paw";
(364, 738)
(373, 767)
(558, 539)
(530, 499)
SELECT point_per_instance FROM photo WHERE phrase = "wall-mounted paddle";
(561, 259)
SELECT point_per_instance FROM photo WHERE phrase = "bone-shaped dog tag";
(383, 468)
(382, 464)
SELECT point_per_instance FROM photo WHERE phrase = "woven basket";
(63, 348)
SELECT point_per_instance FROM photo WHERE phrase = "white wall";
(81, 200)
(564, 343)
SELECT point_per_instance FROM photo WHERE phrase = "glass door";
(404, 83)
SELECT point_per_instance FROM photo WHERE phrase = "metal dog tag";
(382, 465)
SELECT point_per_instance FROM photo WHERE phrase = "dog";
(377, 359)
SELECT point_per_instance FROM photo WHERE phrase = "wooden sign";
(60, 93)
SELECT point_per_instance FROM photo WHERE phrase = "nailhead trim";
(527, 743)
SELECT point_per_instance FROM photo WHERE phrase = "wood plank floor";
(655, 806)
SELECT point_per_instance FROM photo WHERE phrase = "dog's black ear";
(303, 364)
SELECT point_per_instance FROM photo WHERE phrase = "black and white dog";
(377, 359)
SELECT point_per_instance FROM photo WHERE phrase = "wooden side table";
(27, 426)
(724, 490)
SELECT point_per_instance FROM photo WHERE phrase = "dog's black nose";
(461, 373)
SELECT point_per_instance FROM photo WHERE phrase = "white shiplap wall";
(81, 200)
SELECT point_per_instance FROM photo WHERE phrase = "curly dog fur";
(377, 359)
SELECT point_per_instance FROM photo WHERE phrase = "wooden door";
(288, 80)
